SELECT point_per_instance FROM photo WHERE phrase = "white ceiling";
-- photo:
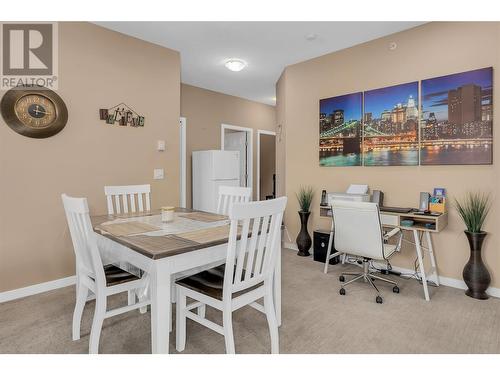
(268, 47)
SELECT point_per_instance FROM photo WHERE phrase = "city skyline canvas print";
(457, 121)
(391, 126)
(340, 130)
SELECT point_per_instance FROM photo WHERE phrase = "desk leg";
(160, 307)
(329, 250)
(428, 239)
(418, 249)
(277, 287)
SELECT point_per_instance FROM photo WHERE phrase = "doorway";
(266, 165)
(237, 138)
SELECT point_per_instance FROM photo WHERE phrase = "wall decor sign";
(340, 130)
(121, 114)
(384, 127)
(457, 121)
(391, 125)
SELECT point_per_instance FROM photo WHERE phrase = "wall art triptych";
(388, 126)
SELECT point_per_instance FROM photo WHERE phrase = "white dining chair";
(246, 276)
(228, 195)
(125, 199)
(93, 276)
(128, 198)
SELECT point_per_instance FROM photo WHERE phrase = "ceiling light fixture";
(311, 36)
(236, 65)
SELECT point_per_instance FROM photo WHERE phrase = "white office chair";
(358, 232)
(246, 276)
(228, 195)
(128, 198)
(91, 275)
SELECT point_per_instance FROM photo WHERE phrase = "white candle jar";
(167, 214)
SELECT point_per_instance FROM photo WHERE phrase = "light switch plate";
(158, 174)
(161, 146)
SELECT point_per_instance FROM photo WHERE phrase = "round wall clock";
(35, 113)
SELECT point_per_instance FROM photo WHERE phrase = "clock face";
(35, 110)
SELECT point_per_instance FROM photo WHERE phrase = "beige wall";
(206, 110)
(97, 69)
(424, 52)
(267, 164)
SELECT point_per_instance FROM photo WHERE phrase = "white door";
(237, 141)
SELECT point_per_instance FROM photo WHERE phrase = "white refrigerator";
(210, 170)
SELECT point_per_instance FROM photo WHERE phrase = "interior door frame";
(223, 128)
(183, 162)
(259, 132)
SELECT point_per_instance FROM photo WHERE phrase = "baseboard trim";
(291, 246)
(454, 283)
(443, 280)
(31, 290)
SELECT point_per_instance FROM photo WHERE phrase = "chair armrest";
(391, 233)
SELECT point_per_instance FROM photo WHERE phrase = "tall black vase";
(475, 273)
(303, 240)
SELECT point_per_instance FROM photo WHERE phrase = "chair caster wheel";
(378, 299)
(395, 289)
(342, 291)
(341, 279)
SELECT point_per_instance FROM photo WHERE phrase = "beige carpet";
(316, 319)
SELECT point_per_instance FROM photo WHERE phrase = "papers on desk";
(357, 189)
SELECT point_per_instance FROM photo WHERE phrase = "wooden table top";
(145, 233)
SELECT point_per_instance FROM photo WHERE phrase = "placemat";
(136, 214)
(205, 217)
(159, 244)
(127, 228)
(207, 235)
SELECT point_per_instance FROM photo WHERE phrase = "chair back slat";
(87, 254)
(229, 195)
(125, 203)
(125, 200)
(240, 251)
(117, 204)
(140, 202)
(251, 249)
(252, 259)
(261, 246)
(132, 202)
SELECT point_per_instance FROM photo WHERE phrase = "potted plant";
(473, 210)
(305, 197)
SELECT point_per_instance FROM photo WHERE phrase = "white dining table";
(193, 240)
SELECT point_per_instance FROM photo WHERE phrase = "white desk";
(393, 219)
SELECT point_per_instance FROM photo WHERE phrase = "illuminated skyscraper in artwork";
(338, 117)
(464, 104)
(411, 109)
